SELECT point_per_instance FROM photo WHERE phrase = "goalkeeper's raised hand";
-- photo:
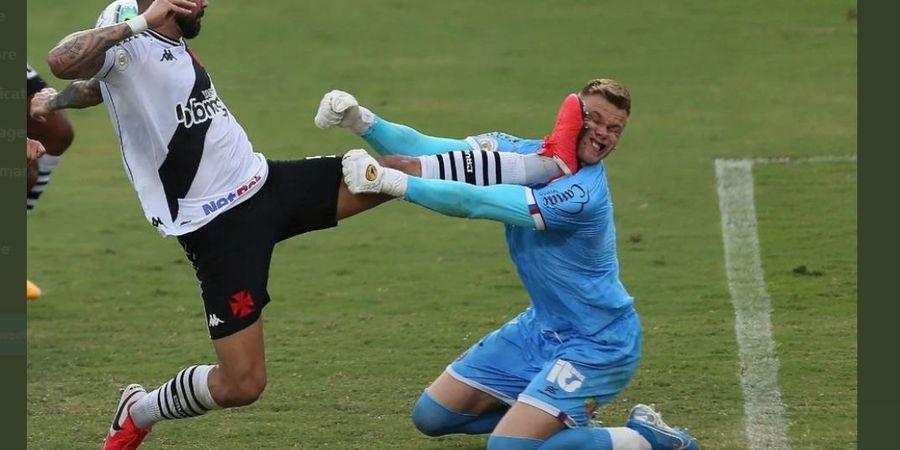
(340, 109)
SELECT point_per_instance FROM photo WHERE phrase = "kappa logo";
(215, 321)
(570, 200)
(371, 172)
(167, 56)
(566, 376)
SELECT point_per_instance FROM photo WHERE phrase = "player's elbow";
(64, 69)
(59, 69)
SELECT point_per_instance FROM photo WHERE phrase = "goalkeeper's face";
(604, 125)
(190, 24)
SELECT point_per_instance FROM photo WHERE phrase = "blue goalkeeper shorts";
(564, 374)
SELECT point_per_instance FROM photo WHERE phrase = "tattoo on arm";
(78, 94)
(81, 54)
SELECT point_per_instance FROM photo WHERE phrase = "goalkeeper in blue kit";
(535, 382)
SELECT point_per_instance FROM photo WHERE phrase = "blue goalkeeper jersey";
(569, 264)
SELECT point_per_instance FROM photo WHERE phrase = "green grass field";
(366, 315)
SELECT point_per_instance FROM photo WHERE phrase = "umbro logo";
(167, 56)
(215, 321)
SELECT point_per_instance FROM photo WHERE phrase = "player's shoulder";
(593, 177)
(497, 141)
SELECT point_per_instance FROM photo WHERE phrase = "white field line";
(765, 421)
(765, 417)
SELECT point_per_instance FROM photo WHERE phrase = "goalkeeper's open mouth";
(599, 147)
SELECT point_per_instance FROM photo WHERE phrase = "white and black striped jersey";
(185, 154)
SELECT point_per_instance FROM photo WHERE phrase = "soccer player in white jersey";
(535, 382)
(198, 178)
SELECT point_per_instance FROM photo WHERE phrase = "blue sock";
(580, 438)
(389, 138)
(496, 442)
(434, 419)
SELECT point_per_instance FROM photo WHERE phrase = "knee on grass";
(434, 419)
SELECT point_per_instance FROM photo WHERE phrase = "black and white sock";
(484, 168)
(46, 164)
(186, 395)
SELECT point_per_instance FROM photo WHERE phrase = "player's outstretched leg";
(186, 395)
(646, 421)
(562, 143)
(238, 380)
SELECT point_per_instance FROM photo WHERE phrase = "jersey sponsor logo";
(215, 205)
(241, 304)
(197, 111)
(570, 200)
(566, 376)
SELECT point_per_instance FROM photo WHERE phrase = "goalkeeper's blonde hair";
(612, 90)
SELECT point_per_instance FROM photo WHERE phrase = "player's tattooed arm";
(81, 54)
(78, 94)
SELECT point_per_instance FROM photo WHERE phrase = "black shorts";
(232, 253)
(35, 82)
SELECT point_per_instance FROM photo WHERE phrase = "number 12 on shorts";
(566, 376)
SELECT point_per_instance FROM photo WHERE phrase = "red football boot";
(562, 143)
(123, 433)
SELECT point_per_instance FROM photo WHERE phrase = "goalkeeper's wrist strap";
(137, 24)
